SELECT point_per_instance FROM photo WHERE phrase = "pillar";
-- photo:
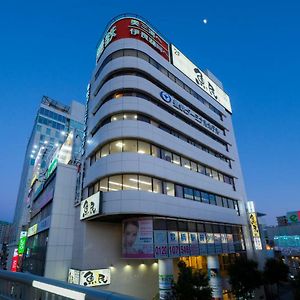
(215, 281)
(165, 273)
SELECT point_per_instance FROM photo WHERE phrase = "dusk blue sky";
(253, 47)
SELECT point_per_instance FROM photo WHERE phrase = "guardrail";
(25, 286)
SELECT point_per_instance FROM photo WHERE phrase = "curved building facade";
(162, 178)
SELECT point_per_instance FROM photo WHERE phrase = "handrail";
(27, 286)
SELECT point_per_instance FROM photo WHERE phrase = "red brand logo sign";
(134, 28)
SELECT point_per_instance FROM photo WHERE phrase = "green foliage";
(244, 278)
(275, 271)
(191, 284)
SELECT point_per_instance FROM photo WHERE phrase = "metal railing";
(25, 286)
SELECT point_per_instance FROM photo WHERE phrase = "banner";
(138, 238)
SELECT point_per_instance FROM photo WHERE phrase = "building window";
(115, 183)
(105, 150)
(103, 186)
(204, 197)
(143, 147)
(157, 186)
(169, 188)
(116, 146)
(145, 183)
(188, 193)
(130, 146)
(130, 182)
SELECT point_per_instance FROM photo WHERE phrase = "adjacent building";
(162, 178)
(4, 232)
(52, 122)
(284, 239)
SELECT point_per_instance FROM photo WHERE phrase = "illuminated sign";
(32, 230)
(136, 29)
(51, 167)
(95, 277)
(255, 231)
(74, 276)
(22, 242)
(254, 225)
(140, 240)
(181, 62)
(14, 262)
(293, 217)
(89, 277)
(90, 206)
(171, 101)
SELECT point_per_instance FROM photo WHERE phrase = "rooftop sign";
(136, 29)
(181, 62)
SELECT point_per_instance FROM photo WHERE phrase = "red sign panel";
(134, 28)
(14, 262)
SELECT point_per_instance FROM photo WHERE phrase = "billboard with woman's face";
(137, 238)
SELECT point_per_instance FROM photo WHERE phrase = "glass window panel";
(116, 146)
(200, 227)
(188, 193)
(221, 177)
(193, 166)
(143, 119)
(176, 159)
(143, 147)
(117, 117)
(130, 52)
(208, 227)
(215, 175)
(159, 224)
(201, 169)
(96, 187)
(219, 201)
(208, 172)
(225, 204)
(166, 155)
(130, 116)
(212, 199)
(98, 154)
(157, 186)
(197, 195)
(226, 179)
(130, 182)
(179, 191)
(103, 184)
(185, 163)
(115, 183)
(204, 197)
(145, 183)
(172, 225)
(169, 188)
(230, 203)
(143, 56)
(130, 146)
(155, 151)
(91, 191)
(105, 150)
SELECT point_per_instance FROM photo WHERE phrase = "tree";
(191, 284)
(296, 286)
(244, 278)
(275, 271)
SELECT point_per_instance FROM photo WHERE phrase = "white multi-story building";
(162, 179)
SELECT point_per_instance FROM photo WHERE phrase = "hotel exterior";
(162, 180)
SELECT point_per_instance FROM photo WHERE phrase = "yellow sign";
(254, 225)
(32, 230)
